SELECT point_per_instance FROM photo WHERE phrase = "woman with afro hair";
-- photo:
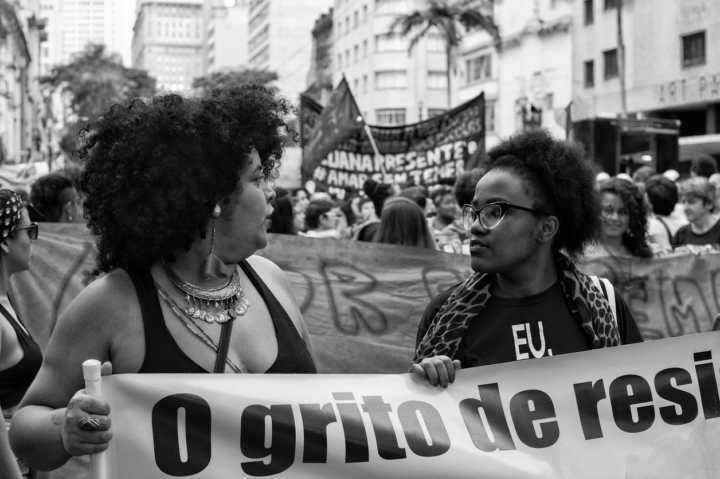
(623, 220)
(178, 193)
(533, 211)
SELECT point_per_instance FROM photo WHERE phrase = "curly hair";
(562, 181)
(155, 169)
(635, 238)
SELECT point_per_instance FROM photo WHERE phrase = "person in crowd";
(178, 194)
(697, 197)
(663, 222)
(322, 219)
(642, 174)
(418, 194)
(20, 355)
(368, 222)
(403, 223)
(282, 218)
(446, 226)
(703, 166)
(534, 209)
(53, 198)
(378, 193)
(623, 222)
(300, 200)
(464, 190)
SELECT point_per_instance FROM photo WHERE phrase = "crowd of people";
(179, 195)
(648, 214)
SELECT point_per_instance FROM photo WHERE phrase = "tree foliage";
(451, 18)
(235, 78)
(94, 80)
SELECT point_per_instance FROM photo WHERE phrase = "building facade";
(393, 86)
(528, 83)
(672, 65)
(72, 24)
(21, 105)
(227, 35)
(279, 40)
(169, 41)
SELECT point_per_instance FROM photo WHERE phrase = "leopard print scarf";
(586, 302)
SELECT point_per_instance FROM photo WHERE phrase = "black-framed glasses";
(491, 214)
(32, 230)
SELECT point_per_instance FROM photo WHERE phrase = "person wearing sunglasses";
(20, 356)
(533, 211)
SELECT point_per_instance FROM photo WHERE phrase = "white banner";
(649, 410)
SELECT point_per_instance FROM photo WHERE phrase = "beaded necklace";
(191, 325)
(214, 305)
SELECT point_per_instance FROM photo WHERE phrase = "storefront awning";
(692, 146)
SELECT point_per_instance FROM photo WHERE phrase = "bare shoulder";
(266, 268)
(111, 296)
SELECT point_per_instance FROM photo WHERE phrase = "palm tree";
(452, 18)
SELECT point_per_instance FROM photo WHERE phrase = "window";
(479, 68)
(693, 49)
(610, 4)
(365, 13)
(435, 112)
(365, 84)
(610, 61)
(435, 42)
(347, 58)
(589, 14)
(391, 6)
(347, 24)
(356, 19)
(356, 86)
(364, 50)
(437, 80)
(490, 115)
(390, 43)
(589, 68)
(339, 61)
(391, 79)
(390, 116)
(356, 53)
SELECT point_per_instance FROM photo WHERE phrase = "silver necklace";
(194, 328)
(211, 305)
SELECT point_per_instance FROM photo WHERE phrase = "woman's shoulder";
(111, 295)
(265, 267)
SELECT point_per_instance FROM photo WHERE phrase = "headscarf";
(10, 212)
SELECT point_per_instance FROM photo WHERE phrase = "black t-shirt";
(685, 235)
(511, 329)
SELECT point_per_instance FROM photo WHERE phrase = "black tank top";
(15, 380)
(163, 355)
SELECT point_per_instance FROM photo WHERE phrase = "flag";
(339, 120)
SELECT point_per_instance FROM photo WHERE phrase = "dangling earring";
(213, 264)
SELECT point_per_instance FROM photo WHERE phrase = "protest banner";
(637, 411)
(338, 153)
(362, 301)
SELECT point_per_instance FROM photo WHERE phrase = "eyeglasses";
(32, 230)
(491, 214)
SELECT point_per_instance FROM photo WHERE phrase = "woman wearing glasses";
(20, 356)
(533, 211)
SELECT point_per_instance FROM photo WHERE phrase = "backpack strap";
(604, 285)
(667, 229)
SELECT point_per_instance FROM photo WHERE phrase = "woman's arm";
(46, 429)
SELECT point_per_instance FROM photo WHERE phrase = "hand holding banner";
(602, 414)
